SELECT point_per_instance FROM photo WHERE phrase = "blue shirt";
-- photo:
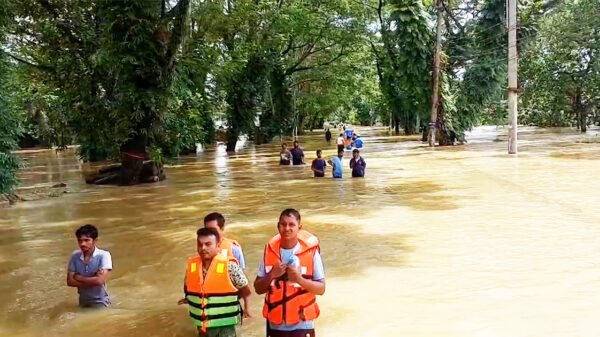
(100, 259)
(337, 167)
(318, 274)
(239, 255)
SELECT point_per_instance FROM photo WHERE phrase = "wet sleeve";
(239, 255)
(236, 275)
(71, 266)
(261, 267)
(318, 269)
(106, 261)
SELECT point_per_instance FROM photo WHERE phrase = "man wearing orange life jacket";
(213, 283)
(291, 274)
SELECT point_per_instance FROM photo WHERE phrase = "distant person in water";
(285, 156)
(340, 142)
(89, 269)
(297, 154)
(336, 163)
(358, 143)
(318, 165)
(328, 136)
(357, 164)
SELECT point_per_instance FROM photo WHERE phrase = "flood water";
(460, 241)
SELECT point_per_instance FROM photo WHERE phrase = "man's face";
(295, 144)
(86, 243)
(318, 154)
(355, 155)
(288, 227)
(213, 224)
(341, 154)
(207, 247)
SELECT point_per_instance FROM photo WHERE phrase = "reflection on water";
(461, 241)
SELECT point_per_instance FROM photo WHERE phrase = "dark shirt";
(319, 164)
(328, 135)
(285, 157)
(297, 155)
(358, 167)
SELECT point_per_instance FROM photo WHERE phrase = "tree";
(112, 63)
(561, 74)
(403, 58)
(9, 121)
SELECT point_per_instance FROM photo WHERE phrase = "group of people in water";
(348, 140)
(290, 274)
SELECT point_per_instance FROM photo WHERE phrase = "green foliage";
(404, 62)
(561, 75)
(10, 129)
(477, 63)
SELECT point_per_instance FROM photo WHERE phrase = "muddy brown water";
(461, 241)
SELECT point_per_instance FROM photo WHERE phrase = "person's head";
(215, 221)
(341, 135)
(355, 153)
(208, 243)
(86, 238)
(295, 144)
(318, 153)
(283, 146)
(341, 153)
(289, 224)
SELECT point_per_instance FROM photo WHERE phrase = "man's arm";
(93, 281)
(244, 293)
(71, 282)
(261, 284)
(316, 287)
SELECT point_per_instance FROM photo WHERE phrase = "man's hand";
(294, 274)
(277, 271)
(182, 301)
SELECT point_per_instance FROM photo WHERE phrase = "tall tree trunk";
(436, 75)
(581, 112)
(232, 138)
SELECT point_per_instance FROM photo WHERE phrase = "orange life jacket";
(287, 302)
(213, 301)
(226, 247)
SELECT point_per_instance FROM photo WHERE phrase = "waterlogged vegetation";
(151, 79)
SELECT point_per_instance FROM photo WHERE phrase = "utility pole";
(436, 75)
(512, 76)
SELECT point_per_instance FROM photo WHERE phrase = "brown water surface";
(460, 241)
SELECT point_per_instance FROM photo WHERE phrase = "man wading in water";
(291, 274)
(212, 285)
(89, 269)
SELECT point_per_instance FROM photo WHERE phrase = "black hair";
(87, 230)
(319, 151)
(290, 212)
(208, 232)
(215, 216)
(355, 151)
